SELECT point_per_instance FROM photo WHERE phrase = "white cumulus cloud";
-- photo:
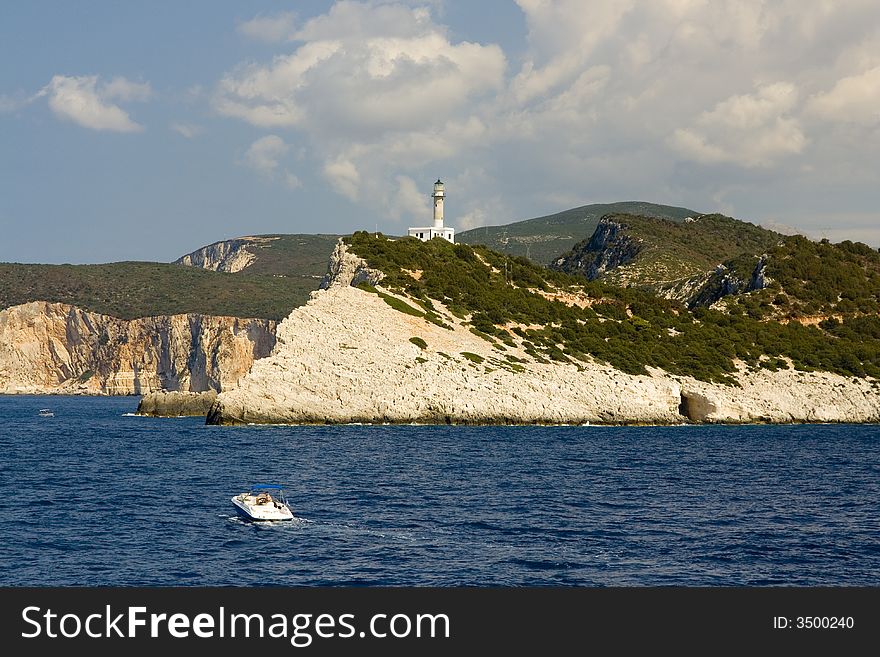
(749, 129)
(344, 177)
(125, 90)
(270, 29)
(265, 153)
(855, 98)
(370, 84)
(688, 102)
(292, 180)
(84, 101)
(410, 201)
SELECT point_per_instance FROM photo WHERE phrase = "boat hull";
(261, 512)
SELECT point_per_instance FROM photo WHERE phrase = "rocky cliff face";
(724, 282)
(346, 269)
(608, 248)
(57, 348)
(676, 260)
(348, 356)
(176, 404)
(227, 256)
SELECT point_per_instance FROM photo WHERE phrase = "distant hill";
(263, 277)
(544, 238)
(295, 255)
(660, 254)
(129, 290)
(731, 265)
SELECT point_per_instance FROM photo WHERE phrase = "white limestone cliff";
(229, 256)
(346, 356)
(58, 348)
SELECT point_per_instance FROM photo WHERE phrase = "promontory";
(405, 331)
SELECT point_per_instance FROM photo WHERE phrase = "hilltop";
(731, 265)
(254, 276)
(801, 280)
(264, 276)
(293, 256)
(543, 239)
(128, 290)
(662, 255)
(707, 301)
(137, 327)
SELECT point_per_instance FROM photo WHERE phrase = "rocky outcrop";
(348, 356)
(176, 404)
(364, 368)
(726, 281)
(347, 269)
(227, 256)
(697, 261)
(782, 396)
(58, 348)
(608, 248)
(684, 289)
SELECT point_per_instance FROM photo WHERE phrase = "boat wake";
(295, 522)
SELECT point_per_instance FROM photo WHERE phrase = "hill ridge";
(544, 238)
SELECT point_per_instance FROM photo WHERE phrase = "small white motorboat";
(263, 502)
(46, 412)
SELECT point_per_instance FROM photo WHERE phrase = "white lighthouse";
(438, 195)
(426, 233)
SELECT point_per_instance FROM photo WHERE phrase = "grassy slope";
(816, 278)
(807, 278)
(671, 250)
(286, 270)
(296, 255)
(542, 239)
(139, 289)
(627, 328)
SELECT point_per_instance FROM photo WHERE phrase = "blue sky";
(143, 130)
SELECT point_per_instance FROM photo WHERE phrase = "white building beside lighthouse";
(426, 233)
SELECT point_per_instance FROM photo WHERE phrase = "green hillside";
(510, 301)
(655, 252)
(758, 272)
(812, 279)
(544, 238)
(295, 255)
(140, 289)
(286, 269)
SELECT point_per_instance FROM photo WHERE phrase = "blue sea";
(94, 496)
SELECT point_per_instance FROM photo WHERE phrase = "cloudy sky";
(144, 130)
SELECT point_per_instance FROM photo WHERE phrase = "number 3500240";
(824, 622)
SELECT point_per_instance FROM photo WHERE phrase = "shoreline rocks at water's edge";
(176, 404)
(346, 356)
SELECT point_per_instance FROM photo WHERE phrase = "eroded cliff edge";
(58, 348)
(349, 356)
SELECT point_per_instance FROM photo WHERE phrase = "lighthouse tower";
(426, 233)
(438, 196)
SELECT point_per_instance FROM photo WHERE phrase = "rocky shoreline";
(176, 404)
(347, 356)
